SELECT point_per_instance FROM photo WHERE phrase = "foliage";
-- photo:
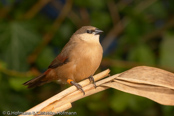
(146, 37)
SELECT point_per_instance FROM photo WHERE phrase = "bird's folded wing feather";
(63, 57)
(58, 61)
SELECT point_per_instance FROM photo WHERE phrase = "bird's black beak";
(98, 31)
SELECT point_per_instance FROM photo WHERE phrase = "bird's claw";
(78, 86)
(91, 79)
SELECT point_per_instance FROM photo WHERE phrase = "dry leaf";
(153, 83)
(149, 75)
(161, 95)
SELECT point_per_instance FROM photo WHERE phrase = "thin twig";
(89, 90)
(49, 35)
(4, 11)
(113, 33)
(119, 27)
(16, 73)
(113, 11)
(35, 9)
(123, 4)
(159, 31)
(72, 15)
(74, 18)
(84, 16)
(143, 5)
(57, 4)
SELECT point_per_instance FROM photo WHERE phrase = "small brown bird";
(78, 60)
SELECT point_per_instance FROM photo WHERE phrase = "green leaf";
(157, 10)
(62, 36)
(16, 83)
(100, 19)
(97, 106)
(95, 103)
(3, 65)
(167, 110)
(119, 102)
(132, 29)
(45, 58)
(142, 54)
(167, 51)
(17, 40)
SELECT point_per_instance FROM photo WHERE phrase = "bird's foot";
(71, 82)
(91, 78)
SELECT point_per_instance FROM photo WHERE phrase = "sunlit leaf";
(16, 83)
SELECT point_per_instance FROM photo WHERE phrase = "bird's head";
(88, 33)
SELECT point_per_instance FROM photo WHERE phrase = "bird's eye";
(89, 31)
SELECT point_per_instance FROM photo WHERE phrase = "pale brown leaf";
(153, 83)
(148, 75)
(161, 95)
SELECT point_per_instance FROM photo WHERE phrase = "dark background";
(33, 32)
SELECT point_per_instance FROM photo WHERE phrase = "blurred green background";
(33, 32)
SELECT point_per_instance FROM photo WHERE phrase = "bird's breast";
(86, 61)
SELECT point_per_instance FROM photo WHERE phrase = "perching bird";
(78, 60)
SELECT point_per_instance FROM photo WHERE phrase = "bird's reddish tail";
(35, 82)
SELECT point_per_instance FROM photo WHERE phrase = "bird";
(78, 60)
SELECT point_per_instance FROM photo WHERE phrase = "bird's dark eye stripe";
(90, 31)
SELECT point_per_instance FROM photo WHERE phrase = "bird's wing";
(63, 57)
(58, 61)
